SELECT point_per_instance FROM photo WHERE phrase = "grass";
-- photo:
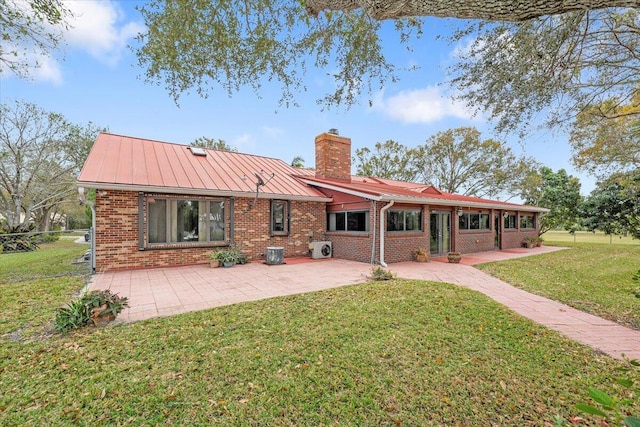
(391, 353)
(588, 237)
(34, 284)
(382, 353)
(593, 277)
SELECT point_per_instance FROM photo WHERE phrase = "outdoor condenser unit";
(274, 255)
(321, 250)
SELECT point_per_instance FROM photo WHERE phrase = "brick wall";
(399, 246)
(474, 241)
(333, 157)
(117, 235)
(117, 244)
(252, 229)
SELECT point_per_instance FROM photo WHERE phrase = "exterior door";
(439, 233)
(497, 232)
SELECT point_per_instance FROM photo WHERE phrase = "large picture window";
(348, 221)
(404, 220)
(473, 221)
(185, 220)
(527, 221)
(279, 218)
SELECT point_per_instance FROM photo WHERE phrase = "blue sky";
(95, 78)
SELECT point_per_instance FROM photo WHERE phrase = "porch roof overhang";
(198, 192)
(419, 199)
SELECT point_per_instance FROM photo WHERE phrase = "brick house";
(161, 204)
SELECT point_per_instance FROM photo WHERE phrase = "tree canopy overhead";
(523, 57)
(552, 67)
(28, 28)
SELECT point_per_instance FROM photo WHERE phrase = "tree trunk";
(492, 10)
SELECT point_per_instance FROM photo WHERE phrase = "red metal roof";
(122, 162)
(407, 192)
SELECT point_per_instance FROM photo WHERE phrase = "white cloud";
(272, 132)
(244, 143)
(97, 28)
(421, 106)
(48, 70)
(40, 67)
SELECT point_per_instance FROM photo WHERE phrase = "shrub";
(379, 273)
(89, 307)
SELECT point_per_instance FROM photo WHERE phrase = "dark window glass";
(527, 221)
(279, 217)
(404, 220)
(510, 221)
(357, 221)
(348, 221)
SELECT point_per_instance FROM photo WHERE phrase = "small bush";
(379, 273)
(73, 316)
(88, 307)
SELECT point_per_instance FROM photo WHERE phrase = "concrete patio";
(169, 291)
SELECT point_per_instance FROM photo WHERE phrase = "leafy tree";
(192, 44)
(390, 160)
(614, 206)
(558, 192)
(458, 161)
(80, 139)
(30, 29)
(297, 162)
(553, 65)
(214, 144)
(40, 157)
(603, 147)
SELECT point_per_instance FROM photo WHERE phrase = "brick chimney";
(333, 156)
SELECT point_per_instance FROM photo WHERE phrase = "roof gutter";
(382, 212)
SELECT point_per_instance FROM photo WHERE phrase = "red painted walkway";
(167, 291)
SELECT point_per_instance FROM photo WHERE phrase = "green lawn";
(593, 277)
(34, 284)
(383, 353)
(588, 237)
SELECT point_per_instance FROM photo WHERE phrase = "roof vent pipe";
(334, 131)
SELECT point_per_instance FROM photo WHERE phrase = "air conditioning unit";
(321, 250)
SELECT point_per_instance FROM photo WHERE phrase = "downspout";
(373, 242)
(92, 205)
(382, 211)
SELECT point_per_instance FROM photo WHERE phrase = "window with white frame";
(348, 221)
(176, 220)
(404, 220)
(473, 221)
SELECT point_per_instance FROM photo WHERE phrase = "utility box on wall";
(274, 255)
